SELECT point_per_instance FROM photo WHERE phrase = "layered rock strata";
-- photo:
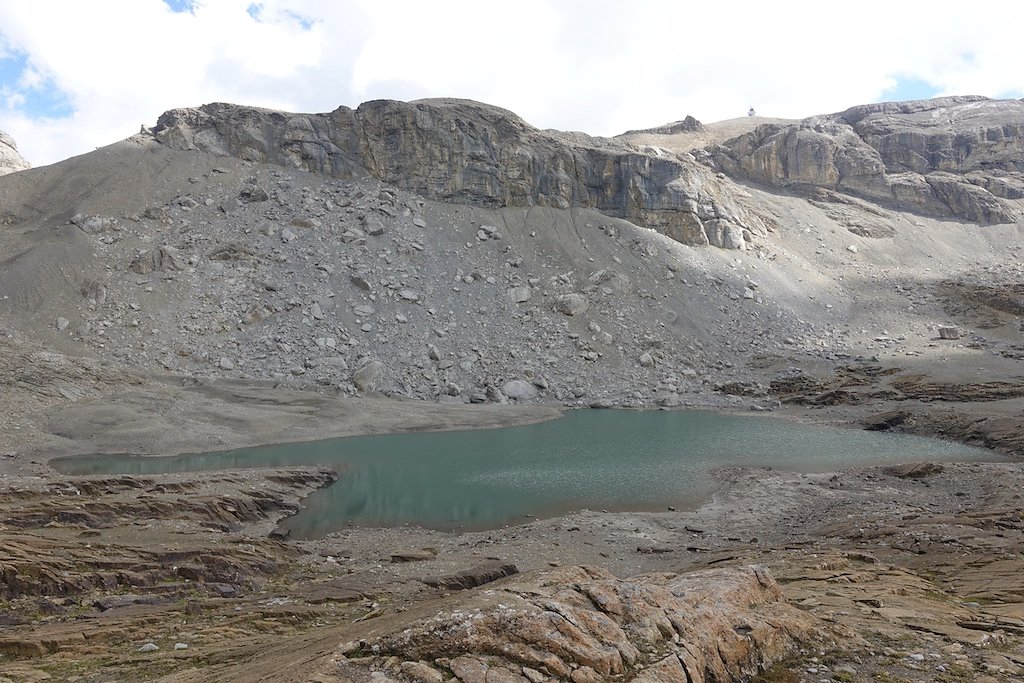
(471, 153)
(950, 157)
(583, 624)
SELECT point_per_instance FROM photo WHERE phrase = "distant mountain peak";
(687, 125)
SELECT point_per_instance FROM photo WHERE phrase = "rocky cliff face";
(953, 157)
(470, 153)
(10, 159)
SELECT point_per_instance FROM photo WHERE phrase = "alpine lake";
(587, 459)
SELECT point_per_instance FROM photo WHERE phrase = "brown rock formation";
(584, 624)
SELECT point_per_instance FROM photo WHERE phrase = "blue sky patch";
(180, 6)
(305, 22)
(37, 101)
(255, 10)
(909, 89)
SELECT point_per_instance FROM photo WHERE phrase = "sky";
(80, 74)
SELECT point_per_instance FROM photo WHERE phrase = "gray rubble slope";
(10, 159)
(220, 255)
(255, 271)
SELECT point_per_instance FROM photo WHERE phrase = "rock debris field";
(235, 276)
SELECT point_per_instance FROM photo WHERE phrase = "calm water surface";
(596, 459)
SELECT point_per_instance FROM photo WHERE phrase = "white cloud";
(599, 66)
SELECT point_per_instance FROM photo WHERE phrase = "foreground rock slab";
(584, 624)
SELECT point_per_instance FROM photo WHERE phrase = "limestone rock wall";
(953, 157)
(10, 159)
(471, 153)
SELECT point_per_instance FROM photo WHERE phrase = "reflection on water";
(598, 459)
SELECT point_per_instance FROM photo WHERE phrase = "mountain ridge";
(453, 150)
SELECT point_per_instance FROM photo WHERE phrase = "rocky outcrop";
(471, 153)
(584, 624)
(33, 376)
(10, 159)
(956, 134)
(952, 157)
(687, 125)
(84, 509)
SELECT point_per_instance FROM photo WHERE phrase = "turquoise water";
(596, 459)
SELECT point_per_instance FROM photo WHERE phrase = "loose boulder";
(520, 295)
(571, 304)
(368, 376)
(162, 258)
(520, 390)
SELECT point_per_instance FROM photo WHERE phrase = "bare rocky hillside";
(446, 250)
(236, 276)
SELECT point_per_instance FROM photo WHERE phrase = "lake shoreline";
(488, 478)
(937, 543)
